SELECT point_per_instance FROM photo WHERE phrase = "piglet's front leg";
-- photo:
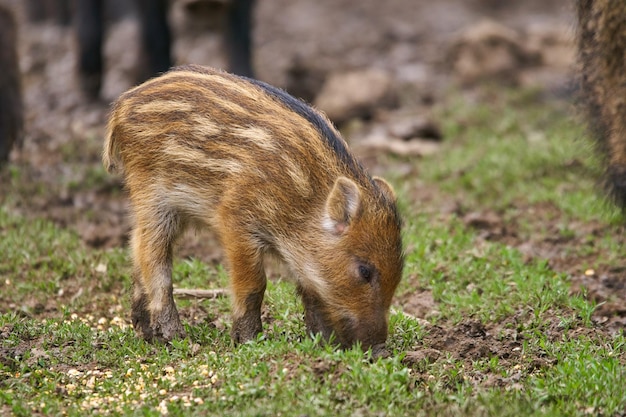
(314, 318)
(248, 284)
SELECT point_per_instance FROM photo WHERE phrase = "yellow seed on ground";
(162, 408)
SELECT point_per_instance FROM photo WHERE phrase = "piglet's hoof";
(168, 331)
(380, 351)
(245, 329)
(162, 328)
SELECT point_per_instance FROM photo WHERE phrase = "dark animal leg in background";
(155, 37)
(11, 107)
(238, 37)
(89, 21)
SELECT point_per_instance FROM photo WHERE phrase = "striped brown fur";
(269, 175)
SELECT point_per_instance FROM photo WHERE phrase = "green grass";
(516, 147)
(488, 281)
(39, 263)
(66, 347)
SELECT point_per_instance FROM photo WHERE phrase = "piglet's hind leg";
(154, 313)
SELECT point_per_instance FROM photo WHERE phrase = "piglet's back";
(195, 124)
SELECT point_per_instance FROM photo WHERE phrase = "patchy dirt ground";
(421, 46)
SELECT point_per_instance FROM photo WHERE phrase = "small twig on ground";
(196, 293)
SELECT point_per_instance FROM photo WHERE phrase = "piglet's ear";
(342, 205)
(385, 188)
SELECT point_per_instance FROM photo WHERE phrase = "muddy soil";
(423, 47)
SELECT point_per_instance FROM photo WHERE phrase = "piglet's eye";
(365, 272)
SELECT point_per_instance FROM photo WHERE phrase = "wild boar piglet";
(269, 175)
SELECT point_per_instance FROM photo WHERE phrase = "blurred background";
(376, 68)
